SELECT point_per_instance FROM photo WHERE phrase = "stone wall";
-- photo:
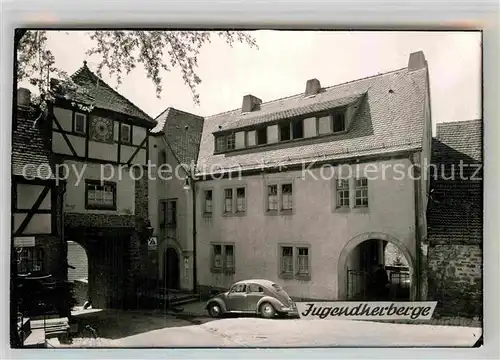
(455, 279)
(53, 254)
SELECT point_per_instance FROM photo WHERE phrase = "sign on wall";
(24, 241)
(153, 243)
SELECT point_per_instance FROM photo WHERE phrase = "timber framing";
(116, 117)
(48, 186)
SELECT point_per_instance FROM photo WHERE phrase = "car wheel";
(267, 310)
(214, 310)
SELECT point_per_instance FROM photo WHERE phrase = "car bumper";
(290, 311)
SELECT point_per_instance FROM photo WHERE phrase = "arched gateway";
(360, 256)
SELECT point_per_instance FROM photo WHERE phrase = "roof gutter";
(417, 186)
(229, 173)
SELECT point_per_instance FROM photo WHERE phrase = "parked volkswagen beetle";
(256, 296)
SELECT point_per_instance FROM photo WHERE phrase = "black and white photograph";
(253, 188)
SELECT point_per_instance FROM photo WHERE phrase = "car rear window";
(277, 287)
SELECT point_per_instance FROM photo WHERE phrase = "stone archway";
(78, 261)
(342, 263)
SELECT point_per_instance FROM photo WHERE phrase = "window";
(31, 260)
(229, 257)
(295, 262)
(277, 287)
(342, 193)
(303, 261)
(240, 200)
(362, 192)
(234, 201)
(126, 134)
(254, 288)
(272, 197)
(100, 195)
(324, 125)
(250, 138)
(80, 123)
(171, 218)
(286, 197)
(208, 202)
(262, 136)
(298, 129)
(280, 198)
(228, 200)
(223, 258)
(338, 122)
(287, 260)
(285, 131)
(239, 288)
(230, 142)
(220, 144)
(217, 257)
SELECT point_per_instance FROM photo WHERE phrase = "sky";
(285, 60)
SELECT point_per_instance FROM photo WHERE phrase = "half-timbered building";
(37, 249)
(104, 142)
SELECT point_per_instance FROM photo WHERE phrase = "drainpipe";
(193, 191)
(62, 245)
(416, 187)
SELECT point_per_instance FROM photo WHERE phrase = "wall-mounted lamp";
(149, 228)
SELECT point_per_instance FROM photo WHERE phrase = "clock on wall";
(102, 129)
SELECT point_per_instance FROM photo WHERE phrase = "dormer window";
(262, 136)
(339, 122)
(285, 131)
(220, 143)
(225, 142)
(298, 129)
(324, 123)
(230, 141)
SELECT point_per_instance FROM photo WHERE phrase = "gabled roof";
(102, 95)
(464, 137)
(390, 118)
(455, 208)
(182, 133)
(31, 158)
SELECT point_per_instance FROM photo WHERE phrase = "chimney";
(250, 103)
(417, 61)
(23, 97)
(312, 87)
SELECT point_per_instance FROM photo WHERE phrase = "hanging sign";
(24, 241)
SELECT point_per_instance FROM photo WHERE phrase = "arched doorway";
(171, 269)
(360, 275)
(78, 271)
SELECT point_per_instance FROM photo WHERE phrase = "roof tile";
(30, 156)
(390, 118)
(182, 132)
(102, 95)
(455, 210)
